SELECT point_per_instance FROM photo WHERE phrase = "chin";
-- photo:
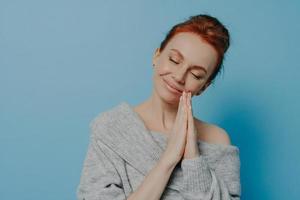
(164, 93)
(168, 97)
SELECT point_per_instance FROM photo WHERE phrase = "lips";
(172, 86)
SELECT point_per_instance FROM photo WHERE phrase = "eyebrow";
(197, 66)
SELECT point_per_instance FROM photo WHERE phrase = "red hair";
(210, 29)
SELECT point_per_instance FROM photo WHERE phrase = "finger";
(179, 109)
(190, 114)
(182, 103)
(193, 134)
(190, 102)
(179, 112)
(185, 113)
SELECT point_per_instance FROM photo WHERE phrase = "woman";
(158, 149)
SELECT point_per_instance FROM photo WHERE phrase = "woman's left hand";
(191, 147)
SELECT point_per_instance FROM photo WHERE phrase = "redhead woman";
(159, 149)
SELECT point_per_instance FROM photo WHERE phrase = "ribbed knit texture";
(122, 152)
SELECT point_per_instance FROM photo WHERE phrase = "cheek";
(194, 85)
(164, 66)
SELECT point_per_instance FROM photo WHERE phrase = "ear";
(155, 56)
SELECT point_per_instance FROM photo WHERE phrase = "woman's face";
(185, 63)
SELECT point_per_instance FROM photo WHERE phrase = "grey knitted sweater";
(122, 151)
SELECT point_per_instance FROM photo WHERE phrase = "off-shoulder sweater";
(122, 151)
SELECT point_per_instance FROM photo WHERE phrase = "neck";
(161, 113)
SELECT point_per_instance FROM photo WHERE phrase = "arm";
(203, 182)
(155, 182)
(100, 179)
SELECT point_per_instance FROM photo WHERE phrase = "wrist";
(191, 151)
(166, 163)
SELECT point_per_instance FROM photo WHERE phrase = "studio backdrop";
(63, 62)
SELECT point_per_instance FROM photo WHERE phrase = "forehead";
(194, 49)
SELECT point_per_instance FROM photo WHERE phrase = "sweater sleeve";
(99, 178)
(219, 183)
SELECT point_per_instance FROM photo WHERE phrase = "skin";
(180, 141)
(171, 113)
(159, 111)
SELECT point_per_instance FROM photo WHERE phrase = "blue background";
(63, 62)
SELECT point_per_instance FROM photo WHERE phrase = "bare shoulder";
(211, 133)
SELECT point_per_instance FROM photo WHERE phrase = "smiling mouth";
(172, 89)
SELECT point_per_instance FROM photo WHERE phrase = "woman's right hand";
(177, 137)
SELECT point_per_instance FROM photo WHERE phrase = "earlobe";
(155, 56)
(157, 51)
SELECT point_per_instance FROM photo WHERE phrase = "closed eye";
(173, 61)
(197, 77)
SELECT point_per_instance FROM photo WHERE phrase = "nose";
(179, 75)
